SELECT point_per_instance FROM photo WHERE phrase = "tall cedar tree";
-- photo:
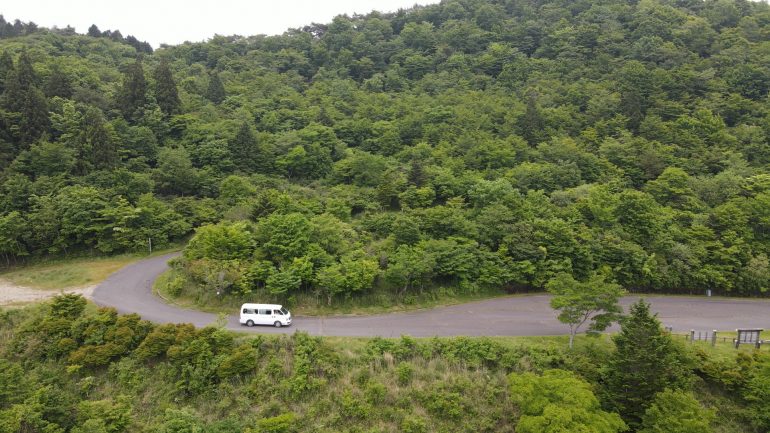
(531, 122)
(22, 96)
(133, 94)
(244, 149)
(18, 83)
(216, 91)
(97, 142)
(94, 31)
(6, 69)
(166, 93)
(58, 83)
(646, 361)
(34, 120)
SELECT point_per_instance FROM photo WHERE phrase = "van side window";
(266, 312)
(248, 311)
(278, 312)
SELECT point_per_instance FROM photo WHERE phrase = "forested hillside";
(468, 145)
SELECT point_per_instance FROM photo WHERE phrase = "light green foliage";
(558, 401)
(223, 241)
(677, 412)
(757, 391)
(284, 237)
(283, 423)
(594, 301)
(354, 273)
(494, 140)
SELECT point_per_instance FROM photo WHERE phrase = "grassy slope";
(71, 273)
(407, 388)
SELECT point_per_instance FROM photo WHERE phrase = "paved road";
(130, 291)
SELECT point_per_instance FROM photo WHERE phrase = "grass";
(71, 273)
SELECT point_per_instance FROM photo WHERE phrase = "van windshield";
(284, 311)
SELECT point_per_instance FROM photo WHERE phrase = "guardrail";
(740, 336)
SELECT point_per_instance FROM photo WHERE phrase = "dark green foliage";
(58, 84)
(216, 90)
(6, 69)
(34, 116)
(166, 94)
(133, 92)
(249, 155)
(645, 363)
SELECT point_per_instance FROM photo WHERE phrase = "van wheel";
(277, 324)
(249, 323)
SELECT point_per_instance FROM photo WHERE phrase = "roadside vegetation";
(68, 368)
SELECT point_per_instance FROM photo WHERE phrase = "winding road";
(129, 290)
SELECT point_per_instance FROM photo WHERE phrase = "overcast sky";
(175, 21)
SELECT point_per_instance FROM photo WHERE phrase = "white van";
(265, 314)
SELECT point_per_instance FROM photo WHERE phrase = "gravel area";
(12, 294)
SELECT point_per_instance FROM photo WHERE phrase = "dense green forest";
(464, 146)
(67, 367)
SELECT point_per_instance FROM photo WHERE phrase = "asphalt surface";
(129, 290)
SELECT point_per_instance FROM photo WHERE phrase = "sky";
(176, 21)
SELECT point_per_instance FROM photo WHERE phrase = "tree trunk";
(571, 338)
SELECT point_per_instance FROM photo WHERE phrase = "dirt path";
(12, 294)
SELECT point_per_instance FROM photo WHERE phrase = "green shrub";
(284, 423)
(413, 424)
(375, 392)
(404, 373)
(242, 360)
(175, 285)
(675, 411)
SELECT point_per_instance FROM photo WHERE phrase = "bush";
(413, 424)
(404, 373)
(175, 285)
(676, 412)
(242, 360)
(284, 423)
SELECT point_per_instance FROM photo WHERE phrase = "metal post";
(692, 335)
(149, 241)
(714, 338)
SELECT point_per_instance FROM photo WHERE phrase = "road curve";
(129, 290)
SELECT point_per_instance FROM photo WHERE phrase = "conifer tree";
(94, 31)
(531, 123)
(646, 361)
(216, 91)
(18, 84)
(6, 69)
(249, 154)
(25, 73)
(98, 138)
(34, 120)
(166, 93)
(133, 94)
(58, 84)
